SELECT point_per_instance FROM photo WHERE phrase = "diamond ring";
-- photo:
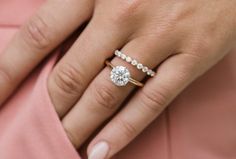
(121, 76)
(135, 63)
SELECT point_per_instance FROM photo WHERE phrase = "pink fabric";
(199, 124)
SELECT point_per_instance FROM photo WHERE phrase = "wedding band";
(121, 76)
(135, 63)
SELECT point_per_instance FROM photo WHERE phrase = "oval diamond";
(120, 75)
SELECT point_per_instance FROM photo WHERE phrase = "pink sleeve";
(199, 124)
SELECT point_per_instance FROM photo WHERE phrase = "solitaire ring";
(121, 76)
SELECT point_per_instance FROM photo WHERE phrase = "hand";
(176, 37)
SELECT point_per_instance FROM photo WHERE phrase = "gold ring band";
(131, 80)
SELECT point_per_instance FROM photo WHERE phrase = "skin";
(181, 40)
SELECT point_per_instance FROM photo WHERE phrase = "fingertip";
(100, 150)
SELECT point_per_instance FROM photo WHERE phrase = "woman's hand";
(182, 39)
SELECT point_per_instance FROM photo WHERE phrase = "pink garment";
(199, 124)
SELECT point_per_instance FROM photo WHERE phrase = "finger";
(42, 33)
(82, 63)
(144, 107)
(102, 98)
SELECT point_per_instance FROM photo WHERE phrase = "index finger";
(50, 25)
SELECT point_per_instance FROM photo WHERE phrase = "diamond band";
(121, 76)
(135, 63)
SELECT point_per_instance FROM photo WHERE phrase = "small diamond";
(153, 74)
(128, 59)
(123, 56)
(145, 69)
(134, 62)
(140, 66)
(118, 53)
(149, 72)
(120, 75)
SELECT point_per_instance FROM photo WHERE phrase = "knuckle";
(154, 100)
(130, 5)
(37, 33)
(126, 9)
(104, 96)
(126, 128)
(199, 48)
(200, 45)
(69, 79)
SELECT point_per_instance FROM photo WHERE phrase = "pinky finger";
(144, 107)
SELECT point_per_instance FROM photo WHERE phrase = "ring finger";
(102, 98)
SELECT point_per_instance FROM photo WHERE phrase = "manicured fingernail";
(99, 151)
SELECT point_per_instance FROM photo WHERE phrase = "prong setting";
(120, 75)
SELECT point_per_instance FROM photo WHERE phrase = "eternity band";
(120, 75)
(135, 63)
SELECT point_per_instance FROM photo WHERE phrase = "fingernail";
(99, 151)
